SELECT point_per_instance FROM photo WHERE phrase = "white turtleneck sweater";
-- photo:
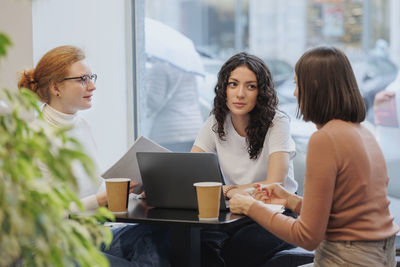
(82, 133)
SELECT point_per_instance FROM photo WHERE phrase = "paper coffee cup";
(117, 194)
(208, 199)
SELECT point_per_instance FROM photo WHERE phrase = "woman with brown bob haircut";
(252, 140)
(344, 213)
(328, 88)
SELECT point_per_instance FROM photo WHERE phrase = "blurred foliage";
(5, 42)
(37, 185)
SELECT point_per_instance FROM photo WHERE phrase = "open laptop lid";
(168, 177)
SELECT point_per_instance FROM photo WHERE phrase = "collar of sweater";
(58, 118)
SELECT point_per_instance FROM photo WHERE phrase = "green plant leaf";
(5, 42)
(37, 185)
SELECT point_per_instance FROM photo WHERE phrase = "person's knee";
(252, 245)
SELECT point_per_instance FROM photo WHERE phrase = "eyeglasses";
(84, 79)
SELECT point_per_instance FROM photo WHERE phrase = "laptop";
(168, 177)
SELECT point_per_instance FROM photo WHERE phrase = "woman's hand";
(102, 197)
(271, 194)
(235, 191)
(240, 203)
(132, 186)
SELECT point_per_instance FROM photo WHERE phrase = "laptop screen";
(168, 177)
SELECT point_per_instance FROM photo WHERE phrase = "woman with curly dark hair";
(253, 143)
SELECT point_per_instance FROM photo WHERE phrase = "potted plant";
(34, 226)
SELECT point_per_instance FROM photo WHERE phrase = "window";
(277, 31)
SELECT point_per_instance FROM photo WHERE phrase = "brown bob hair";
(51, 70)
(327, 87)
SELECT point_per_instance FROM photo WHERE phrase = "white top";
(234, 159)
(81, 132)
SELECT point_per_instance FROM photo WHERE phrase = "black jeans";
(139, 245)
(247, 244)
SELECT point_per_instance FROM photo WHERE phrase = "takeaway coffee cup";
(117, 194)
(208, 199)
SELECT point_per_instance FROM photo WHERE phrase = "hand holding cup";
(117, 194)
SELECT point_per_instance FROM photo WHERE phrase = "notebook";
(127, 166)
(168, 177)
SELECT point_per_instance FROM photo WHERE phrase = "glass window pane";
(177, 98)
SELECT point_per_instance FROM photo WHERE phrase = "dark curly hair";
(264, 111)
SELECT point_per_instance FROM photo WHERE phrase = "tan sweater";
(344, 191)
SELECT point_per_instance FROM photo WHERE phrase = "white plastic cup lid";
(117, 180)
(207, 184)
